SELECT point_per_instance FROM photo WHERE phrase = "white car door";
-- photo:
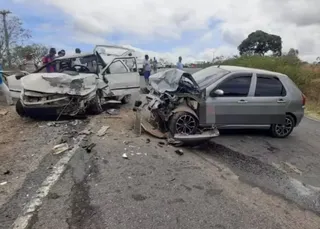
(122, 80)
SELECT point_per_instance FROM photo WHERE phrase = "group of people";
(153, 64)
(29, 64)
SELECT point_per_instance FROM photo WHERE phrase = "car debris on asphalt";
(113, 111)
(89, 147)
(3, 112)
(103, 131)
(7, 172)
(61, 148)
(85, 132)
(179, 152)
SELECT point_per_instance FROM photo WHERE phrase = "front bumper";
(52, 105)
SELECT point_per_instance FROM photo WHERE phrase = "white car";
(81, 83)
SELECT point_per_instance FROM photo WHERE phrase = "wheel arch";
(183, 108)
(293, 116)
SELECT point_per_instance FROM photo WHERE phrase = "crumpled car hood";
(168, 80)
(60, 83)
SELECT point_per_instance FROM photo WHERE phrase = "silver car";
(223, 97)
(243, 97)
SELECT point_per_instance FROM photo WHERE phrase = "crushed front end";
(44, 104)
(172, 107)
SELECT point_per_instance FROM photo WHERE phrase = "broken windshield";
(81, 64)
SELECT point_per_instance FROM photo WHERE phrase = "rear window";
(212, 73)
(269, 86)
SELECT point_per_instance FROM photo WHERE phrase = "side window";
(131, 64)
(236, 87)
(269, 86)
(117, 67)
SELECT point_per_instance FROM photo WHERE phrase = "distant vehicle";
(227, 97)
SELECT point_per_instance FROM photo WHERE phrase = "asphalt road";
(157, 188)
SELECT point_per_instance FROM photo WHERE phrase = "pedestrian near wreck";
(4, 89)
(146, 69)
(155, 65)
(49, 58)
(29, 64)
(179, 63)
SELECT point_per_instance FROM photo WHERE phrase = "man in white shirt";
(29, 64)
(146, 69)
(179, 63)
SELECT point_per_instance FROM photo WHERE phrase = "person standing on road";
(5, 90)
(29, 64)
(155, 65)
(179, 63)
(146, 69)
(49, 58)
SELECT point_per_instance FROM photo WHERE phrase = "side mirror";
(217, 92)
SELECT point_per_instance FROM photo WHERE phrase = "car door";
(232, 107)
(269, 101)
(120, 77)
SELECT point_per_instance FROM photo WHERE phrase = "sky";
(195, 30)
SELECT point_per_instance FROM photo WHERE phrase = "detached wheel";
(183, 123)
(126, 99)
(19, 109)
(283, 130)
(95, 108)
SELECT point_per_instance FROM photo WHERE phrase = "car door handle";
(242, 101)
(281, 101)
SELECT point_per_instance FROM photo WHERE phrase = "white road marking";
(23, 220)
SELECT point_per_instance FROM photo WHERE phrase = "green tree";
(293, 52)
(259, 43)
(37, 51)
(292, 56)
(16, 36)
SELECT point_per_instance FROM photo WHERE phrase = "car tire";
(95, 107)
(283, 131)
(179, 119)
(126, 99)
(19, 109)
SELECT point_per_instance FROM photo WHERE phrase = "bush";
(306, 76)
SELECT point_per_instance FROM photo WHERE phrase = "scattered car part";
(103, 131)
(61, 148)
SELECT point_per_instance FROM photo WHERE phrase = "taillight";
(303, 99)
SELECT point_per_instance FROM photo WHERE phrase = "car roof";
(231, 68)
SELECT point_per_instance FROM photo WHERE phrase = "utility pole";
(4, 14)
